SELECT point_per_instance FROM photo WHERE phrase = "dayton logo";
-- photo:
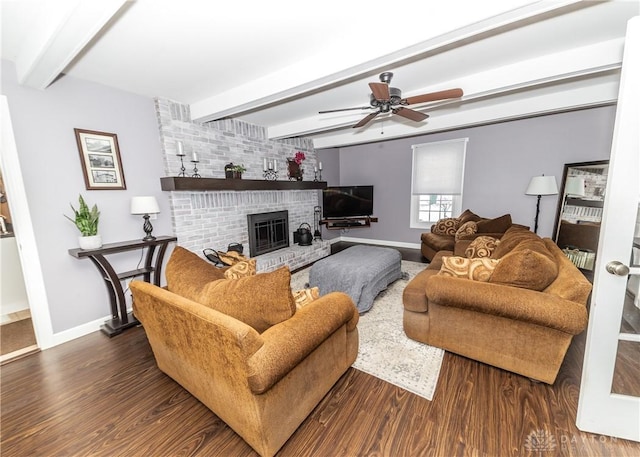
(540, 441)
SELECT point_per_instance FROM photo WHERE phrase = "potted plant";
(238, 170)
(86, 221)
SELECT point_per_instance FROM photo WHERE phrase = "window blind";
(438, 168)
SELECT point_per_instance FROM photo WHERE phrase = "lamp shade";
(542, 185)
(574, 186)
(144, 205)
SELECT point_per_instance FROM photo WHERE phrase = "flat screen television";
(347, 201)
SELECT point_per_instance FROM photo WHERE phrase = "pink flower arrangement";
(299, 157)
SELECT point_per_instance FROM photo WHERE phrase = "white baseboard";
(79, 331)
(90, 327)
(397, 244)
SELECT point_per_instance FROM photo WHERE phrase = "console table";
(120, 318)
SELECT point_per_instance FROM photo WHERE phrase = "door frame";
(24, 233)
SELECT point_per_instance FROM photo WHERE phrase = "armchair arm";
(286, 344)
(538, 308)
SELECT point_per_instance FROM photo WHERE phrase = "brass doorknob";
(617, 268)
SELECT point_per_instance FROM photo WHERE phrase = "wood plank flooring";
(96, 396)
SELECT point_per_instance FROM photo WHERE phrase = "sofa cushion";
(438, 242)
(446, 226)
(241, 269)
(187, 273)
(529, 265)
(261, 300)
(479, 269)
(468, 228)
(498, 225)
(482, 246)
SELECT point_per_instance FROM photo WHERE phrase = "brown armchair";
(262, 375)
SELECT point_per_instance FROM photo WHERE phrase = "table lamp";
(145, 206)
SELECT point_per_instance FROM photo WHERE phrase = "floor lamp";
(541, 185)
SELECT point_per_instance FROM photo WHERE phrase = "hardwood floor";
(96, 396)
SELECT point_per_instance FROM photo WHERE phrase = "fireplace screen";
(268, 232)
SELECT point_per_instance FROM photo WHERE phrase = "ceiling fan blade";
(343, 109)
(433, 96)
(410, 114)
(366, 119)
(380, 91)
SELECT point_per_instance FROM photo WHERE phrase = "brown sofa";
(243, 348)
(443, 236)
(521, 316)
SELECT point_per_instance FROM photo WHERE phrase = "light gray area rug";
(385, 351)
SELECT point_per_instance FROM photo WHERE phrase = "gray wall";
(43, 123)
(501, 159)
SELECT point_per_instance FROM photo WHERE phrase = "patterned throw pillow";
(446, 226)
(482, 246)
(305, 296)
(241, 269)
(232, 257)
(475, 269)
(468, 228)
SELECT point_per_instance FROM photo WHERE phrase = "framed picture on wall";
(100, 159)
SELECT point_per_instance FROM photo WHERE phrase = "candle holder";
(182, 173)
(315, 175)
(195, 169)
(270, 175)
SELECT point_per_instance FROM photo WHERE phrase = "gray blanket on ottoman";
(362, 272)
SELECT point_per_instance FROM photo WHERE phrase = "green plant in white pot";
(86, 221)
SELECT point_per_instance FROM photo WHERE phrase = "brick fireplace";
(214, 219)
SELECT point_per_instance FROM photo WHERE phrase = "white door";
(609, 402)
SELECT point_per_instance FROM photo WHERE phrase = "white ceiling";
(278, 63)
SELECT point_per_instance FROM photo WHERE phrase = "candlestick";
(195, 161)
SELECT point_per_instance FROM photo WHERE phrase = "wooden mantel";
(187, 184)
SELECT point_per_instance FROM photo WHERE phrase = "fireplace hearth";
(268, 232)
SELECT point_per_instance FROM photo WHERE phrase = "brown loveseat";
(264, 370)
(519, 312)
(446, 232)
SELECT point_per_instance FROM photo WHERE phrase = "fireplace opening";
(268, 232)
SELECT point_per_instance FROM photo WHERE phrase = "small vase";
(90, 242)
(295, 172)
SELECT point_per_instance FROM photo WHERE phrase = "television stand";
(348, 222)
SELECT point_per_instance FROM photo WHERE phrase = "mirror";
(580, 204)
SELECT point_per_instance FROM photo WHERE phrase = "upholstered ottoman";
(362, 272)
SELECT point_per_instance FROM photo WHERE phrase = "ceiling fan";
(386, 99)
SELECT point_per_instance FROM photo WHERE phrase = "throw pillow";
(468, 228)
(187, 273)
(305, 296)
(527, 266)
(482, 246)
(498, 225)
(261, 300)
(467, 216)
(479, 269)
(232, 257)
(241, 269)
(446, 226)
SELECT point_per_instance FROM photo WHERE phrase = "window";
(436, 186)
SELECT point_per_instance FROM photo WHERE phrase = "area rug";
(385, 351)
